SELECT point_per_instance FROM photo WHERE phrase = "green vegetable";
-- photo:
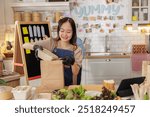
(3, 82)
(146, 97)
(78, 93)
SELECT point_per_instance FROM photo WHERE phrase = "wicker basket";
(139, 48)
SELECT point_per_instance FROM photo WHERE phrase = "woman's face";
(65, 32)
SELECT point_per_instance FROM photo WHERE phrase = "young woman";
(64, 47)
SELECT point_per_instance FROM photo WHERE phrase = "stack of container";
(36, 17)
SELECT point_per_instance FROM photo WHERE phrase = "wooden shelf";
(137, 12)
(40, 6)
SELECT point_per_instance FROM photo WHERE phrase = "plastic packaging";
(21, 92)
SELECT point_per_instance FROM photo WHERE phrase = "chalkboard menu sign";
(29, 32)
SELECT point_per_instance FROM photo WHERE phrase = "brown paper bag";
(52, 74)
(144, 67)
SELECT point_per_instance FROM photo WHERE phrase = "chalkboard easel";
(25, 61)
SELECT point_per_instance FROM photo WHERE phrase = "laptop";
(124, 88)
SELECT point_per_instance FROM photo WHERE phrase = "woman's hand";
(68, 60)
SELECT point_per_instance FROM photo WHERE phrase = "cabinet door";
(140, 11)
(97, 70)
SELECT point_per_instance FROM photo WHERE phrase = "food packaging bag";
(1, 67)
(140, 91)
(148, 74)
(52, 74)
(144, 67)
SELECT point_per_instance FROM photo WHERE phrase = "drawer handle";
(108, 60)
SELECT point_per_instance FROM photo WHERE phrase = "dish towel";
(137, 59)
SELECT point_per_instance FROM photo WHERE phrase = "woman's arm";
(78, 57)
(47, 44)
(77, 65)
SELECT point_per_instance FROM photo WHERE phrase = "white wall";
(6, 18)
(8, 12)
(2, 21)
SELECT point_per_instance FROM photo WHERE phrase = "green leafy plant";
(77, 93)
(3, 82)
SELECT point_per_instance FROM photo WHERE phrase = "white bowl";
(21, 92)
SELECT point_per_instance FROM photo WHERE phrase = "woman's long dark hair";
(71, 21)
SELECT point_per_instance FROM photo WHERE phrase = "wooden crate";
(13, 83)
(12, 80)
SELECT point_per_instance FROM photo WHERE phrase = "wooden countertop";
(110, 56)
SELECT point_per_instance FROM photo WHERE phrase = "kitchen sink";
(106, 54)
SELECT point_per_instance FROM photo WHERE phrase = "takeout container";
(21, 92)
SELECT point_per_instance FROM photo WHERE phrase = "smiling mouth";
(64, 38)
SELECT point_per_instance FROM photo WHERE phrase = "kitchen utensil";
(43, 31)
(38, 31)
(30, 31)
(34, 31)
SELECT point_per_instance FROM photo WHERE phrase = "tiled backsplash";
(124, 41)
(117, 42)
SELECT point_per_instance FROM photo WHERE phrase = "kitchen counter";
(107, 55)
(96, 68)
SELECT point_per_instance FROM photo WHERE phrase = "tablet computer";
(124, 88)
